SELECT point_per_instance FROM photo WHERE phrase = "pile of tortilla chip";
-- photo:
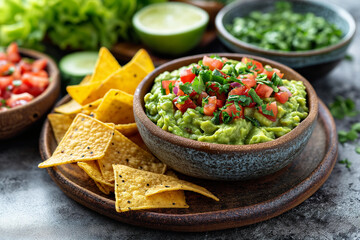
(96, 130)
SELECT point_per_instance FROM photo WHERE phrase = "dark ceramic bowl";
(220, 161)
(313, 63)
(17, 119)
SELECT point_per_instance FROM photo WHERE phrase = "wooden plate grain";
(241, 203)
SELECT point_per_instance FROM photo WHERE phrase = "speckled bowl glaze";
(220, 161)
(313, 63)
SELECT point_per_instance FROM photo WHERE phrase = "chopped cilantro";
(216, 118)
(205, 75)
(265, 111)
(241, 99)
(346, 162)
(255, 97)
(17, 83)
(186, 88)
(9, 71)
(195, 70)
(226, 117)
(205, 100)
(276, 80)
(218, 77)
(182, 99)
(342, 107)
(171, 87)
(198, 85)
(254, 121)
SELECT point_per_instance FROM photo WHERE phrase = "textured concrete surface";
(33, 207)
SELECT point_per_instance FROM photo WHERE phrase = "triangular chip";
(159, 183)
(116, 107)
(105, 66)
(104, 188)
(92, 169)
(60, 123)
(86, 79)
(71, 107)
(123, 151)
(144, 60)
(91, 107)
(83, 94)
(137, 139)
(130, 192)
(127, 129)
(86, 139)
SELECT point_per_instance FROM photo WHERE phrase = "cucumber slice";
(75, 66)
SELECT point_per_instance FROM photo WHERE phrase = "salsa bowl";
(15, 120)
(219, 161)
(310, 63)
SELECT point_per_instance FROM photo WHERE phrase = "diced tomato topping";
(281, 97)
(19, 99)
(39, 65)
(5, 81)
(210, 106)
(219, 103)
(233, 112)
(165, 85)
(12, 52)
(21, 89)
(250, 62)
(25, 66)
(212, 63)
(269, 71)
(248, 80)
(3, 56)
(184, 106)
(200, 98)
(213, 90)
(37, 84)
(263, 91)
(187, 75)
(243, 90)
(270, 107)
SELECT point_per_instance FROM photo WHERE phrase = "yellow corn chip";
(60, 123)
(105, 66)
(159, 183)
(127, 129)
(71, 107)
(123, 151)
(86, 139)
(91, 107)
(82, 94)
(92, 169)
(144, 60)
(136, 138)
(104, 188)
(116, 107)
(130, 192)
(86, 79)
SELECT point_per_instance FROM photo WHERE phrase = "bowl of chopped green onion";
(310, 36)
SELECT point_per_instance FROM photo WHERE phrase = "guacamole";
(225, 101)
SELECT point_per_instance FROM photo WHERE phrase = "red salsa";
(223, 90)
(21, 79)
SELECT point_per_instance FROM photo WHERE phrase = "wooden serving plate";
(241, 203)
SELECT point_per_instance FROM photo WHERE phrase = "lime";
(170, 28)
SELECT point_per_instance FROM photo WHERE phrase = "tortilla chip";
(86, 139)
(86, 79)
(82, 94)
(92, 169)
(60, 123)
(137, 139)
(144, 60)
(104, 188)
(91, 107)
(125, 152)
(159, 183)
(130, 192)
(127, 129)
(116, 107)
(71, 107)
(105, 66)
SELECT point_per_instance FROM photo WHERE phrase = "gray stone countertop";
(33, 207)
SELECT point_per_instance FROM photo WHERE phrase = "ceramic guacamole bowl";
(219, 161)
(312, 63)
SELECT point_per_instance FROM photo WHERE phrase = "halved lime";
(75, 66)
(170, 28)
